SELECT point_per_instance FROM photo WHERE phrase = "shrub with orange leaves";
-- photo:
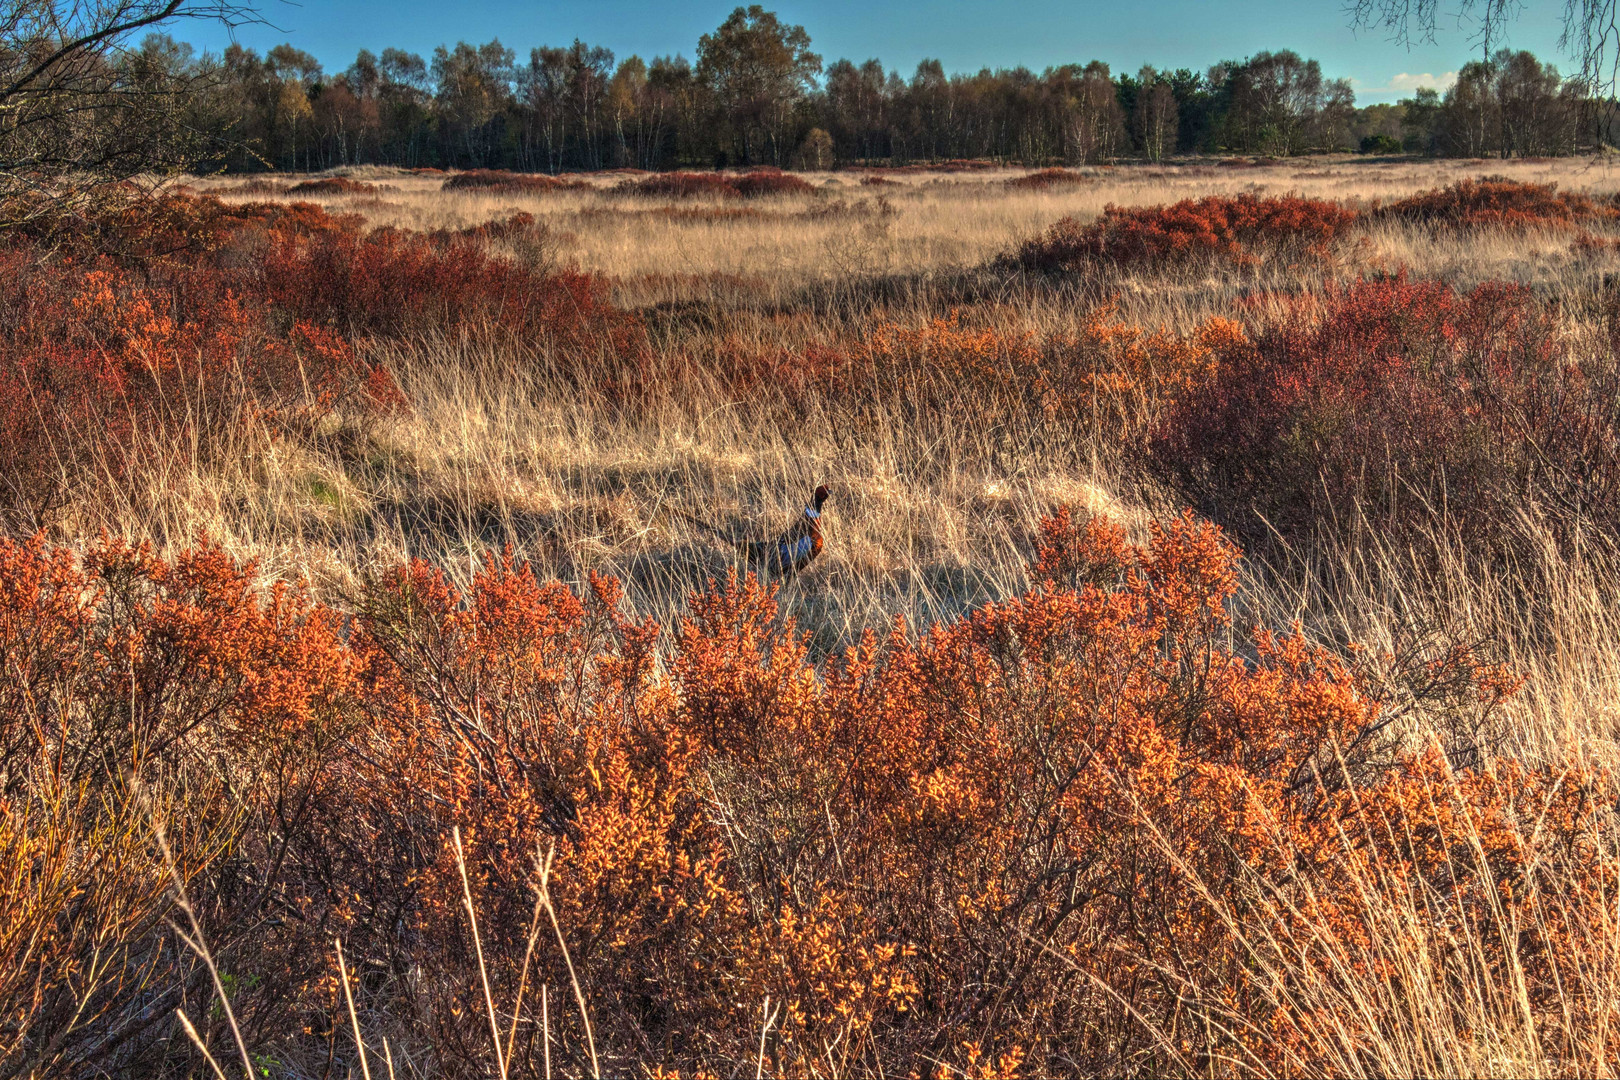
(207, 315)
(96, 361)
(770, 181)
(1497, 202)
(1109, 371)
(144, 694)
(395, 284)
(751, 184)
(680, 185)
(1401, 404)
(333, 185)
(501, 182)
(1043, 179)
(1237, 229)
(1068, 824)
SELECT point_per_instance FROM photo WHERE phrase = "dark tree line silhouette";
(755, 94)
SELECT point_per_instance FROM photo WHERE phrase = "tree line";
(756, 94)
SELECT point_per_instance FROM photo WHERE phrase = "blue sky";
(965, 34)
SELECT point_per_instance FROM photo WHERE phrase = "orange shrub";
(207, 315)
(1403, 404)
(139, 693)
(394, 283)
(1107, 369)
(500, 182)
(754, 183)
(1065, 825)
(333, 185)
(1043, 179)
(494, 229)
(1234, 229)
(680, 185)
(1496, 202)
(769, 181)
(167, 226)
(97, 361)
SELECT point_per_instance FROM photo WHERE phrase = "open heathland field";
(1212, 665)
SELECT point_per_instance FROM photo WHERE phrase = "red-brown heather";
(501, 182)
(1125, 802)
(1047, 178)
(1497, 202)
(1237, 229)
(751, 184)
(1085, 797)
(333, 185)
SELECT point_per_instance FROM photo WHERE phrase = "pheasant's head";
(821, 496)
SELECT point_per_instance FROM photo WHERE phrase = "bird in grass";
(788, 553)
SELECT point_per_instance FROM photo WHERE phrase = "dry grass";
(926, 521)
(939, 223)
(930, 516)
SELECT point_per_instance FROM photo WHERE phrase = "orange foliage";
(204, 316)
(1065, 824)
(751, 184)
(1497, 202)
(1107, 368)
(141, 691)
(500, 182)
(1400, 400)
(1043, 179)
(333, 185)
(97, 359)
(1236, 229)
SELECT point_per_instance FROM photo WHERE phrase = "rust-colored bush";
(395, 283)
(207, 317)
(681, 185)
(1065, 825)
(1496, 202)
(494, 229)
(1108, 371)
(172, 225)
(333, 185)
(500, 182)
(98, 364)
(140, 694)
(952, 165)
(1045, 179)
(1402, 404)
(761, 182)
(685, 185)
(1236, 230)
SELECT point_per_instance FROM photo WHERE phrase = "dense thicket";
(756, 94)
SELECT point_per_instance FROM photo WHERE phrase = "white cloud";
(1406, 82)
(1403, 81)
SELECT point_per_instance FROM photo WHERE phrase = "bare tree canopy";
(77, 99)
(1591, 35)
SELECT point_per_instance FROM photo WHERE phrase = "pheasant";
(790, 552)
